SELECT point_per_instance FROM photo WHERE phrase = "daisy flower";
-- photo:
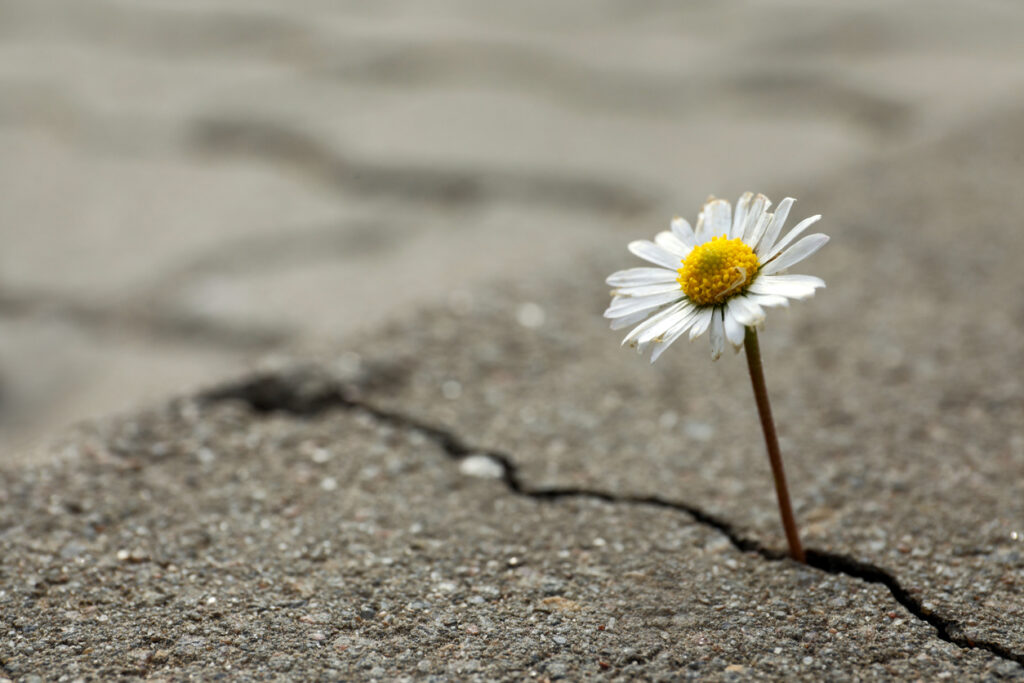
(717, 278)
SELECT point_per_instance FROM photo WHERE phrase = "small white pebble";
(530, 315)
(698, 431)
(451, 390)
(483, 466)
(328, 483)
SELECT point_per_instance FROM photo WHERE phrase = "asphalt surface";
(189, 187)
(441, 465)
(496, 490)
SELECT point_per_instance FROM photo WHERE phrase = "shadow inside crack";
(307, 393)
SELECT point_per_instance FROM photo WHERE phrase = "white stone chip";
(483, 466)
(530, 315)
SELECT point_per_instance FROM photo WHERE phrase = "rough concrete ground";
(896, 389)
(490, 488)
(497, 491)
(198, 541)
(188, 186)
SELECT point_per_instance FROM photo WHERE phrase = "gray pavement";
(897, 389)
(495, 490)
(440, 464)
(203, 540)
(186, 187)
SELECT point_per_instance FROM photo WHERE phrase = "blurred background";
(188, 186)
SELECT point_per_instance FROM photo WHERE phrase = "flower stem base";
(764, 410)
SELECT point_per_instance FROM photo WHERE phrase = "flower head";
(718, 278)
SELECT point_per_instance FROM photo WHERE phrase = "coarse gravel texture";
(204, 538)
(495, 490)
(897, 389)
(188, 186)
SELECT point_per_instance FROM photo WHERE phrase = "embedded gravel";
(207, 540)
(895, 390)
(219, 539)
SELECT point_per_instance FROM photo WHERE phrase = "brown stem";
(764, 410)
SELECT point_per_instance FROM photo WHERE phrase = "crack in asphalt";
(140, 321)
(470, 186)
(295, 395)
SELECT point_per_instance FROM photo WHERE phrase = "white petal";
(641, 276)
(754, 234)
(718, 218)
(657, 323)
(702, 321)
(811, 280)
(767, 240)
(789, 290)
(684, 232)
(790, 236)
(795, 254)
(669, 242)
(671, 336)
(661, 348)
(789, 286)
(734, 329)
(717, 334)
(758, 207)
(685, 316)
(646, 290)
(621, 306)
(627, 320)
(649, 251)
(739, 219)
(700, 232)
(767, 300)
(746, 312)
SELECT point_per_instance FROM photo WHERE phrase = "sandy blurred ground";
(186, 187)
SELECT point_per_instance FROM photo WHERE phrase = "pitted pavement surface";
(189, 186)
(208, 539)
(495, 490)
(896, 389)
(487, 487)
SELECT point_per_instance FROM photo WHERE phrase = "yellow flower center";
(716, 270)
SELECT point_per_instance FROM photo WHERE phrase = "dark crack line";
(139, 320)
(295, 395)
(282, 250)
(452, 187)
